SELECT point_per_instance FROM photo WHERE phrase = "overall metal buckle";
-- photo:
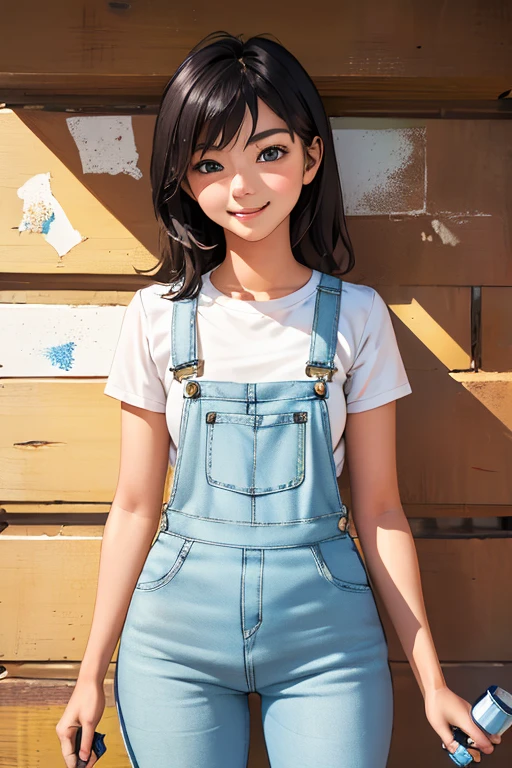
(324, 372)
(185, 370)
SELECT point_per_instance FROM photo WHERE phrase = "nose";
(241, 185)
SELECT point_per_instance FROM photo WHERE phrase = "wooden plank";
(457, 510)
(460, 235)
(48, 429)
(461, 578)
(370, 49)
(497, 329)
(31, 709)
(452, 447)
(67, 417)
(59, 341)
(453, 439)
(111, 245)
(67, 297)
(126, 198)
(492, 390)
(414, 741)
(406, 256)
(49, 586)
(44, 514)
(387, 201)
(432, 325)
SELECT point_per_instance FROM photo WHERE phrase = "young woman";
(256, 368)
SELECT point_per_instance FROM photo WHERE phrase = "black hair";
(212, 87)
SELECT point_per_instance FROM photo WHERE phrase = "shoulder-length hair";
(212, 88)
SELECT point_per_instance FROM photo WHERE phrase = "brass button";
(342, 523)
(320, 388)
(192, 388)
(210, 417)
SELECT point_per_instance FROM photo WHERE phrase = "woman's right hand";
(85, 708)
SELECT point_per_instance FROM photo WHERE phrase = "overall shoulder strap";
(184, 362)
(325, 328)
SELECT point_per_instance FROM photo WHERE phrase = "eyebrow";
(255, 138)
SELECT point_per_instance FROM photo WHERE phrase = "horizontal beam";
(343, 94)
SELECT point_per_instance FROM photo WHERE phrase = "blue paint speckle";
(61, 355)
(45, 227)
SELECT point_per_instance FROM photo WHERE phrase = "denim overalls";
(253, 583)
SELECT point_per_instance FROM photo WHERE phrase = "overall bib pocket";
(255, 453)
(165, 558)
(339, 562)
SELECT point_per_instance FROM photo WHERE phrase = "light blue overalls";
(254, 584)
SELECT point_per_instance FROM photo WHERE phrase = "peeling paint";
(447, 237)
(42, 213)
(382, 171)
(105, 144)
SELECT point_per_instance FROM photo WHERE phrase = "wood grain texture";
(451, 447)
(32, 708)
(460, 578)
(497, 329)
(432, 325)
(461, 49)
(59, 441)
(48, 583)
(110, 246)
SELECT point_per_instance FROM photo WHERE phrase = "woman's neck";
(261, 270)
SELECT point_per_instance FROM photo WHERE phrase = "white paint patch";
(53, 340)
(106, 144)
(42, 213)
(447, 237)
(374, 165)
(424, 237)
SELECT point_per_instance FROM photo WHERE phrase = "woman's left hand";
(444, 708)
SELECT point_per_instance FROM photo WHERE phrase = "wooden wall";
(429, 213)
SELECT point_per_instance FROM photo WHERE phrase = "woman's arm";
(129, 530)
(390, 555)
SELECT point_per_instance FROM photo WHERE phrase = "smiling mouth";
(248, 211)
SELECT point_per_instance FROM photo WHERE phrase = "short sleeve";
(133, 374)
(377, 375)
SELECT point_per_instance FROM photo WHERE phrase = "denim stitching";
(258, 546)
(242, 601)
(334, 329)
(124, 734)
(297, 521)
(312, 345)
(285, 398)
(300, 464)
(326, 573)
(327, 429)
(249, 632)
(192, 329)
(179, 451)
(254, 453)
(150, 586)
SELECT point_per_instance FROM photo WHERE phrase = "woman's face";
(268, 174)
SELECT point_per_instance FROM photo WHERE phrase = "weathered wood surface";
(31, 708)
(49, 583)
(458, 51)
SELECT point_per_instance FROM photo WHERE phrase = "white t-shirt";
(254, 341)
